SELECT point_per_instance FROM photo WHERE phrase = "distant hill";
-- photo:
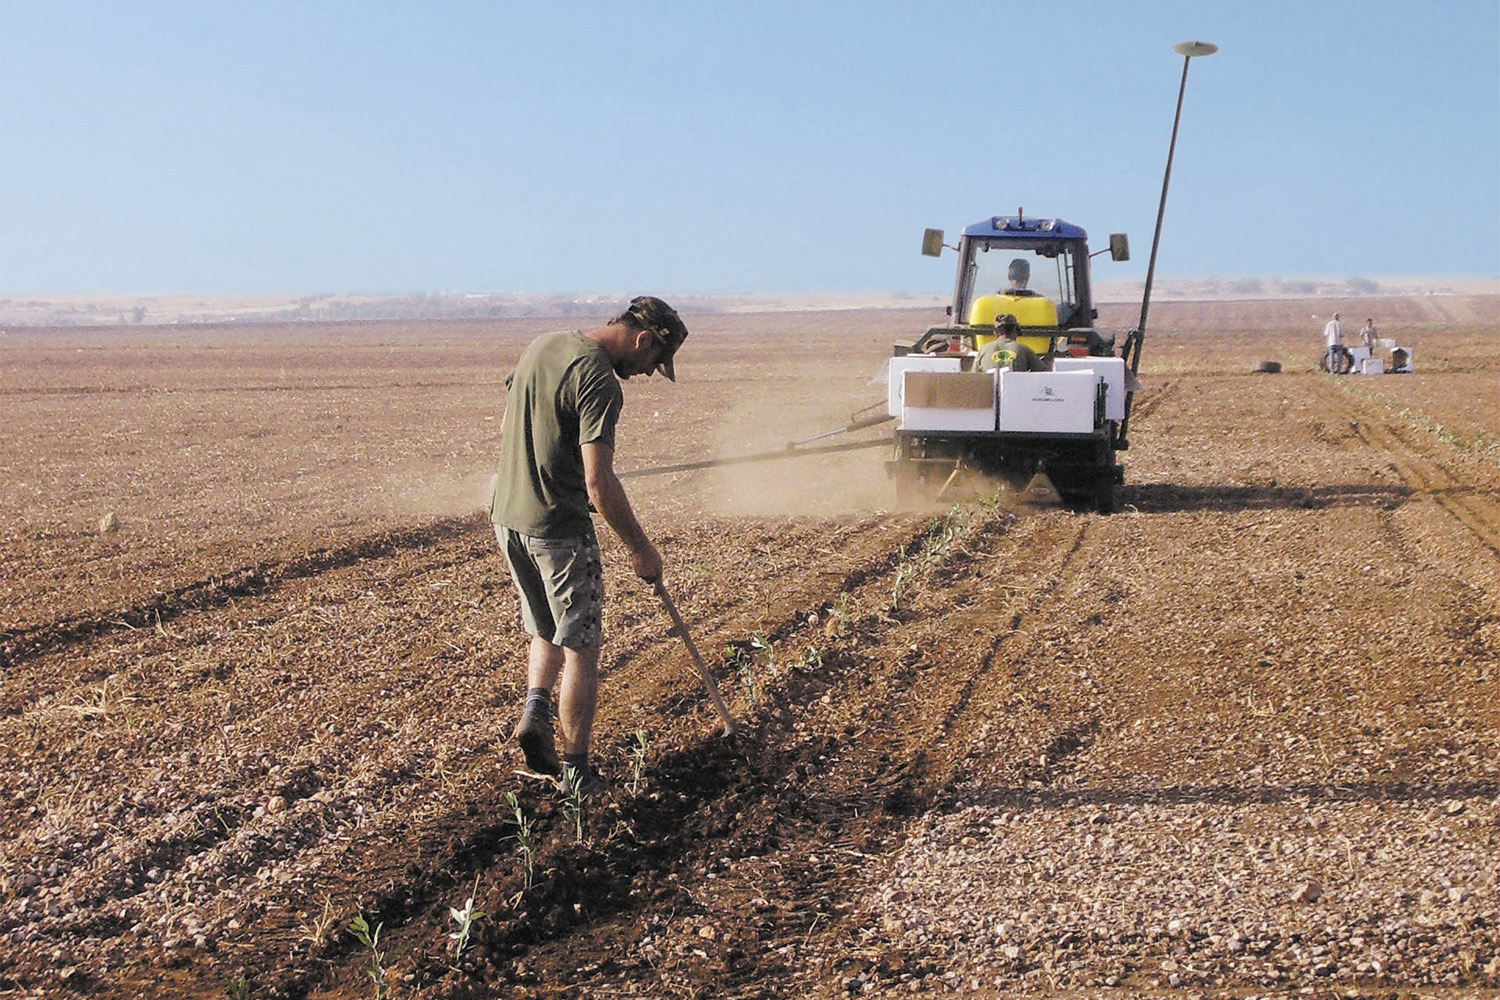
(170, 309)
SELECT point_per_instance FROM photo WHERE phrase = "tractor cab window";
(1027, 269)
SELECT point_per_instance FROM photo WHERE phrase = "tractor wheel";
(1105, 495)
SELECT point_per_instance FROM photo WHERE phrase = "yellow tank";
(1029, 310)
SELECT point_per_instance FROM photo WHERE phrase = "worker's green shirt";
(562, 396)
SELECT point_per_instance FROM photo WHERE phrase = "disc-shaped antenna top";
(1195, 48)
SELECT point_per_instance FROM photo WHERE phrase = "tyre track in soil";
(1148, 399)
(998, 702)
(1420, 463)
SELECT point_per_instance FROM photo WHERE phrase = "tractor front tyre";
(1106, 499)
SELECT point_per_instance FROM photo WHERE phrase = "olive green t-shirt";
(562, 396)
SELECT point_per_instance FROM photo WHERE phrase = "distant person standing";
(557, 446)
(1333, 336)
(1367, 335)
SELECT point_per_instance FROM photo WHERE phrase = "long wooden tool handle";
(730, 726)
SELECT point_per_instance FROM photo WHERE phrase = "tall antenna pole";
(1132, 349)
(1187, 50)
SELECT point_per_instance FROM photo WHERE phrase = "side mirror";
(1119, 246)
(932, 243)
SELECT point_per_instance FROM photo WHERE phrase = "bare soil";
(261, 660)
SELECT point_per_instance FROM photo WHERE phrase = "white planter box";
(1048, 402)
(1112, 370)
(913, 363)
(948, 401)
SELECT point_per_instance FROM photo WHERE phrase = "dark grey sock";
(539, 702)
(577, 760)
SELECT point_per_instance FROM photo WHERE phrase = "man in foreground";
(557, 446)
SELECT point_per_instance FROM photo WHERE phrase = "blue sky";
(729, 147)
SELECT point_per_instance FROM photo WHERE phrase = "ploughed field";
(1238, 738)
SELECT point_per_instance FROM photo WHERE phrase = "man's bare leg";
(543, 663)
(578, 698)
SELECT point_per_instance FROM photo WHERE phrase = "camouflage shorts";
(561, 583)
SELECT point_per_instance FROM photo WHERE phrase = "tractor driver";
(1019, 275)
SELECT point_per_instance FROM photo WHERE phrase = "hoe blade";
(1040, 492)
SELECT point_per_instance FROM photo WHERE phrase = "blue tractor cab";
(1033, 269)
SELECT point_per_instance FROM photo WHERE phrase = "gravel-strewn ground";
(1197, 894)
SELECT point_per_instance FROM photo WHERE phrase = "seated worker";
(1006, 351)
(1019, 276)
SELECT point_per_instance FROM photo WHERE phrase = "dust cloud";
(823, 485)
(441, 493)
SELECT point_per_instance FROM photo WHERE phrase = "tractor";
(1019, 386)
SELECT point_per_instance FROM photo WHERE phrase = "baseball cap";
(652, 314)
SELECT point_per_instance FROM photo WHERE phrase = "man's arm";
(608, 497)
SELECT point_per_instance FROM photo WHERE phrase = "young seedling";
(638, 761)
(840, 612)
(942, 533)
(905, 570)
(571, 786)
(376, 970)
(465, 919)
(749, 681)
(316, 931)
(525, 846)
(762, 661)
(238, 988)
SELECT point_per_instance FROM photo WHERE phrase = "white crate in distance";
(1401, 359)
(913, 363)
(1372, 366)
(1113, 372)
(948, 401)
(1048, 402)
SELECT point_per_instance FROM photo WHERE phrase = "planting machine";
(1019, 386)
